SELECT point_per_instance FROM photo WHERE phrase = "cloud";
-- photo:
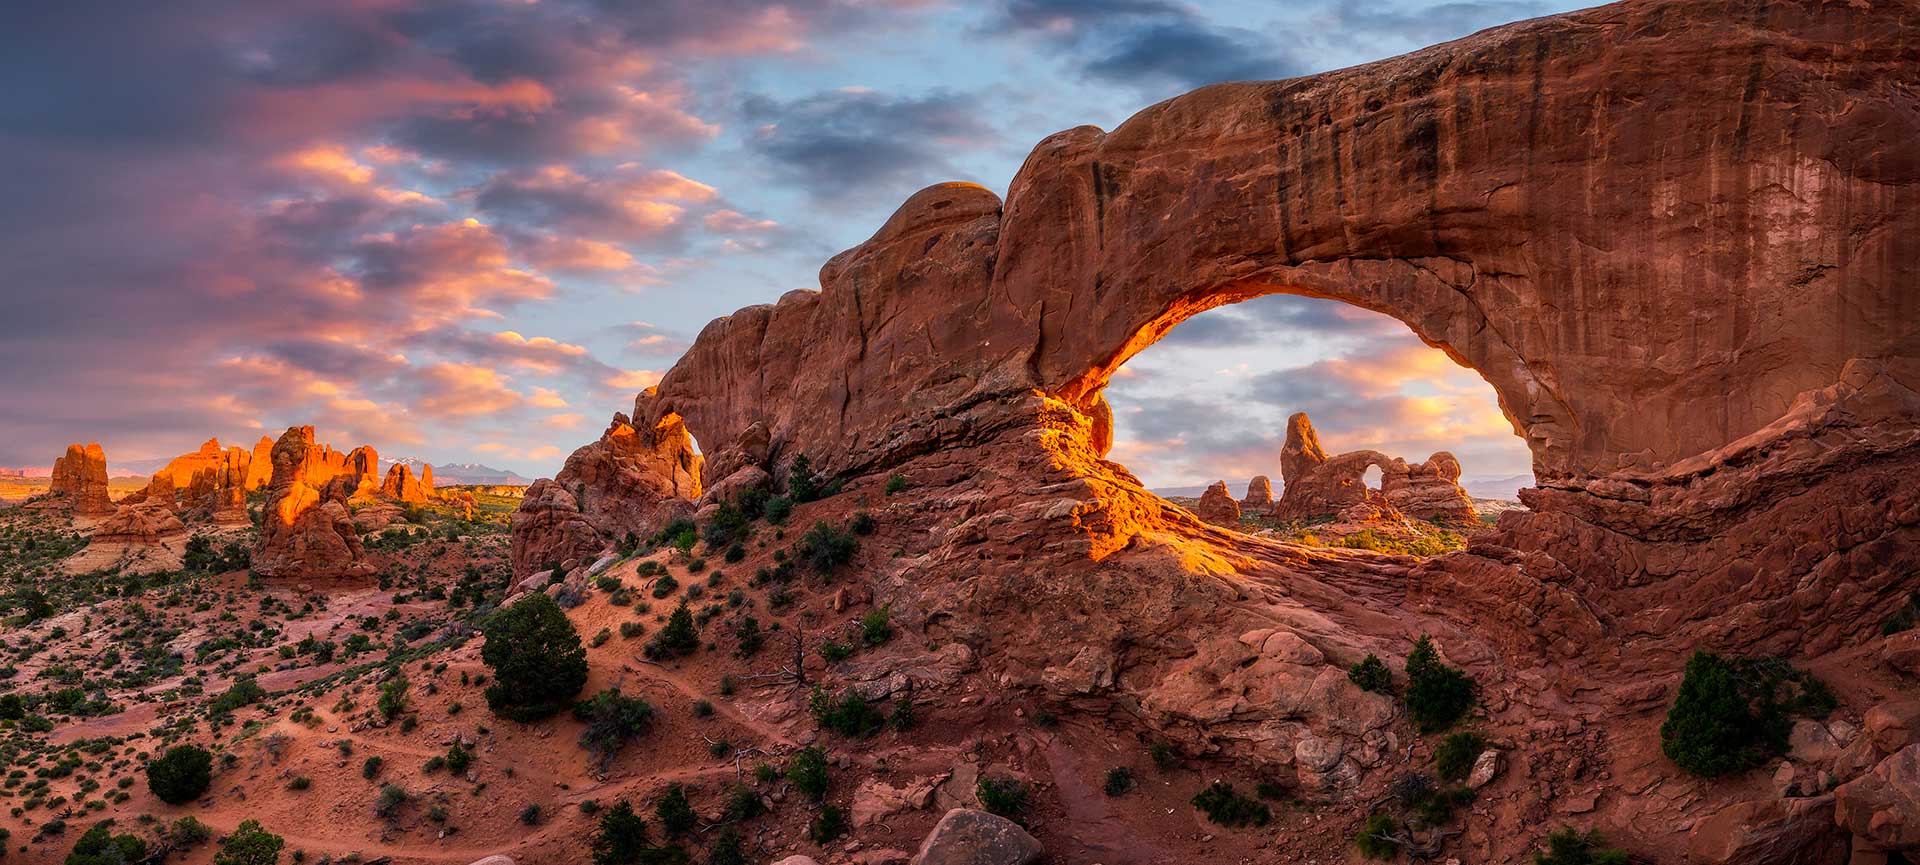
(853, 143)
(1152, 46)
(648, 340)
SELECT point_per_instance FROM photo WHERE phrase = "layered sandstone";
(1677, 237)
(307, 530)
(135, 539)
(79, 482)
(401, 485)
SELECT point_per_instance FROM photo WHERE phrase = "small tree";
(678, 638)
(1437, 695)
(674, 812)
(1718, 724)
(393, 697)
(181, 775)
(537, 659)
(802, 484)
(807, 770)
(1371, 674)
(621, 838)
(250, 845)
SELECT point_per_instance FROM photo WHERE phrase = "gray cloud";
(846, 143)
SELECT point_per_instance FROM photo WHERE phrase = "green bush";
(678, 638)
(1228, 808)
(849, 715)
(250, 845)
(371, 769)
(1376, 837)
(538, 662)
(1371, 674)
(896, 484)
(807, 770)
(1570, 846)
(1453, 760)
(674, 812)
(876, 627)
(99, 846)
(620, 838)
(393, 697)
(802, 484)
(829, 824)
(727, 848)
(612, 719)
(824, 548)
(189, 832)
(1438, 696)
(181, 775)
(1006, 797)
(1119, 781)
(1724, 719)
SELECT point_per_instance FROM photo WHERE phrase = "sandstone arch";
(1679, 245)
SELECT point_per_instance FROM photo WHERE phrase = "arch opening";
(1358, 426)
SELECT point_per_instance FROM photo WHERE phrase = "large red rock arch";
(1680, 239)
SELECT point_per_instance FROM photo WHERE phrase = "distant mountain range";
(449, 474)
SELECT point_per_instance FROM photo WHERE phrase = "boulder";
(1883, 805)
(1893, 725)
(1901, 652)
(968, 837)
(1770, 832)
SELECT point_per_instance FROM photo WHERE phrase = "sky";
(471, 230)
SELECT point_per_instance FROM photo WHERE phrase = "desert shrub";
(1453, 760)
(744, 804)
(188, 832)
(727, 848)
(181, 775)
(735, 553)
(665, 585)
(1223, 805)
(678, 638)
(751, 639)
(99, 846)
(531, 814)
(393, 697)
(778, 509)
(834, 651)
(392, 798)
(458, 759)
(371, 769)
(1376, 838)
(876, 627)
(807, 771)
(829, 824)
(849, 715)
(1119, 781)
(612, 719)
(896, 484)
(802, 484)
(729, 524)
(629, 630)
(680, 534)
(1371, 674)
(674, 812)
(862, 523)
(620, 838)
(902, 717)
(537, 660)
(250, 845)
(299, 782)
(1437, 695)
(1723, 720)
(824, 548)
(1006, 797)
(1570, 846)
(243, 692)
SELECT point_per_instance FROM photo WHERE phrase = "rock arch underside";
(1681, 240)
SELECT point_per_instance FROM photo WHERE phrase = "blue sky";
(471, 230)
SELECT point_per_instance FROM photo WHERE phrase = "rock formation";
(307, 531)
(631, 480)
(211, 479)
(260, 466)
(135, 539)
(426, 481)
(1218, 507)
(1259, 495)
(1678, 238)
(78, 483)
(401, 485)
(363, 467)
(1317, 485)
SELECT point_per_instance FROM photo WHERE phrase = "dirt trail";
(653, 671)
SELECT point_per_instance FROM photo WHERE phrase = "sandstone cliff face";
(1678, 237)
(260, 466)
(1217, 506)
(401, 485)
(307, 531)
(79, 482)
(136, 539)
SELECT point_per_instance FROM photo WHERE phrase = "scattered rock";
(1883, 806)
(1486, 767)
(968, 837)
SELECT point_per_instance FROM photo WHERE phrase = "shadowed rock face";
(1691, 293)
